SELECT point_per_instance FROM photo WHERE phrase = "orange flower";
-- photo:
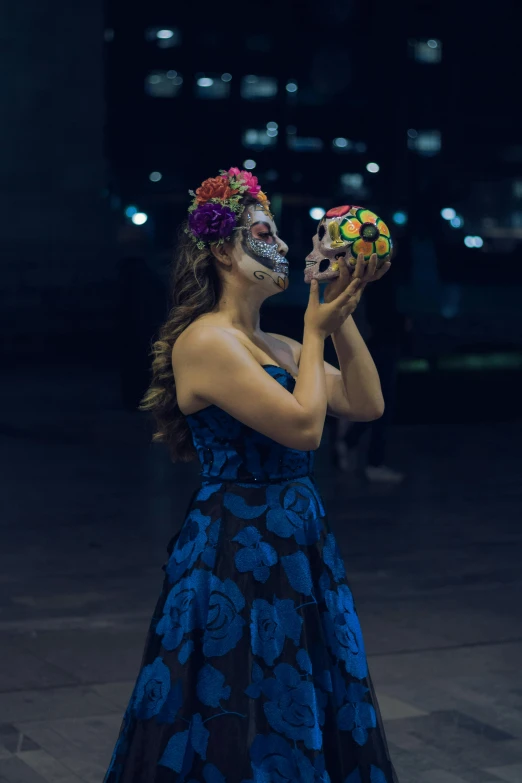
(215, 187)
(263, 199)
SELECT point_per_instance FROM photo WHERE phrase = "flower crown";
(216, 206)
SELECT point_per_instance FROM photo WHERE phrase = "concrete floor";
(88, 507)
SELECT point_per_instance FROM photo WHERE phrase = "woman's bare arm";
(221, 371)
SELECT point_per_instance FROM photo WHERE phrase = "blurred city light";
(131, 210)
(316, 213)
(272, 126)
(470, 241)
(291, 87)
(258, 87)
(373, 168)
(340, 142)
(448, 213)
(425, 142)
(457, 222)
(272, 132)
(163, 37)
(427, 51)
(400, 218)
(205, 82)
(155, 176)
(305, 143)
(352, 182)
(259, 139)
(139, 218)
(163, 84)
(226, 77)
(249, 164)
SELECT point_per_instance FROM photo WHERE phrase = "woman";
(254, 667)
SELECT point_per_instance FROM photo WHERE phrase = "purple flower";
(211, 222)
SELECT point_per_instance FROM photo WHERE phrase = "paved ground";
(88, 507)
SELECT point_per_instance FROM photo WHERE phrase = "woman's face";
(260, 252)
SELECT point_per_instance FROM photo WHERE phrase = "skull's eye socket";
(323, 266)
(321, 232)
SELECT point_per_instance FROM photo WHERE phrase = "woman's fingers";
(382, 271)
(344, 272)
(349, 291)
(360, 266)
(372, 266)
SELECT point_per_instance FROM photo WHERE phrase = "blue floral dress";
(254, 668)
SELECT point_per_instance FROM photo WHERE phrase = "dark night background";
(96, 99)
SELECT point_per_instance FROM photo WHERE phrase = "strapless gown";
(254, 668)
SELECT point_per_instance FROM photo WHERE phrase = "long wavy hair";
(196, 288)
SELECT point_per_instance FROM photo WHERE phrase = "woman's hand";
(330, 316)
(365, 271)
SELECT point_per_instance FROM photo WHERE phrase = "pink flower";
(247, 178)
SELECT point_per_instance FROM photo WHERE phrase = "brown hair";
(195, 289)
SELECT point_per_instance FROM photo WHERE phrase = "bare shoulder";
(201, 335)
(213, 366)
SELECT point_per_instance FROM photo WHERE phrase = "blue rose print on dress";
(297, 569)
(257, 556)
(211, 688)
(154, 696)
(357, 716)
(333, 559)
(211, 774)
(190, 544)
(274, 760)
(271, 624)
(255, 581)
(212, 430)
(254, 689)
(185, 608)
(324, 584)
(295, 509)
(239, 507)
(224, 626)
(284, 462)
(294, 708)
(206, 491)
(343, 631)
(376, 776)
(182, 746)
(209, 553)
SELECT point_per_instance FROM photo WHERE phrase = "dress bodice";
(229, 450)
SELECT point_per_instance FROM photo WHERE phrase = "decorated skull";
(346, 231)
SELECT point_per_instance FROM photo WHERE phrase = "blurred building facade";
(114, 113)
(55, 237)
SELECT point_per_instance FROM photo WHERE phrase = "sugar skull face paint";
(346, 231)
(260, 242)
